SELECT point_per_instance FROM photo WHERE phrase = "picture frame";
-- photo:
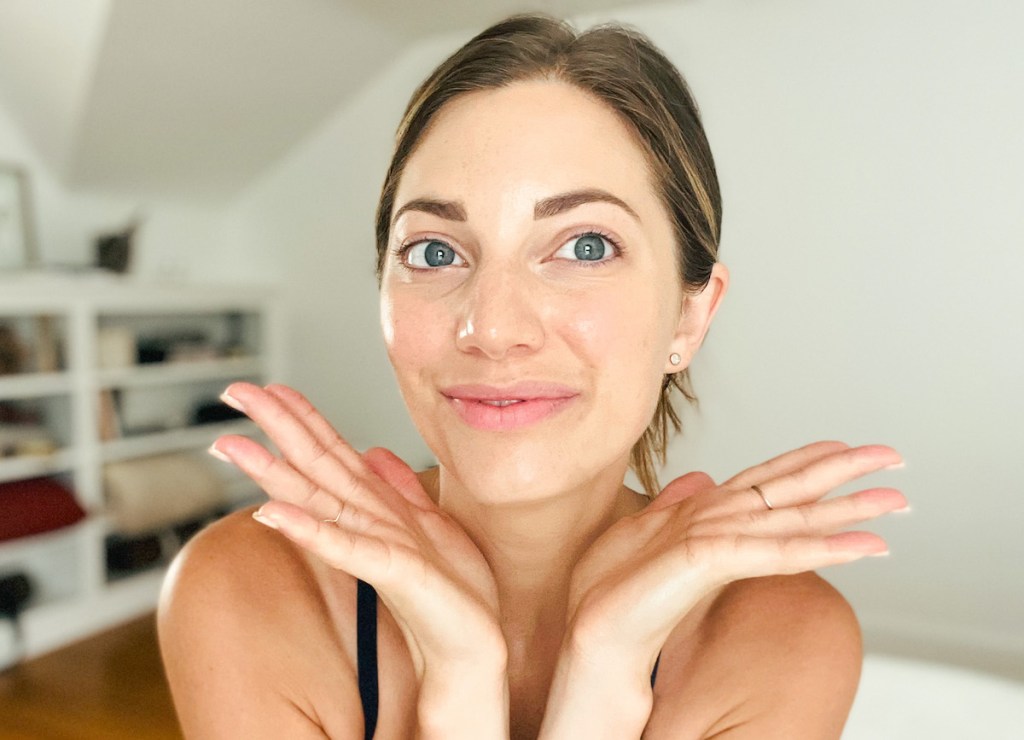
(17, 235)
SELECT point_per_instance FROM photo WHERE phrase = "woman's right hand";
(368, 515)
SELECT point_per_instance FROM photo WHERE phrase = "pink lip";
(533, 402)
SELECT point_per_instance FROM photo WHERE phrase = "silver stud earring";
(674, 358)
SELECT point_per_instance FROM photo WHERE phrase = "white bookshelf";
(75, 595)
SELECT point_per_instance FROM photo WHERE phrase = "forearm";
(596, 694)
(464, 702)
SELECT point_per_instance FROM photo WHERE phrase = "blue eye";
(588, 247)
(431, 254)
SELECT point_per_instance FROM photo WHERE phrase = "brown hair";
(621, 67)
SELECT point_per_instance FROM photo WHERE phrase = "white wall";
(873, 164)
(173, 243)
(871, 158)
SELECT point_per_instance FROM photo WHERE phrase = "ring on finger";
(759, 492)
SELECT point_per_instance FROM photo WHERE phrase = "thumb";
(391, 469)
(681, 488)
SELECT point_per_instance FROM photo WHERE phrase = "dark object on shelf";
(114, 251)
(151, 351)
(161, 349)
(12, 353)
(127, 554)
(215, 411)
(19, 413)
(36, 505)
(15, 591)
(187, 530)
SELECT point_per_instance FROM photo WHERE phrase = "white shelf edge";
(34, 385)
(23, 547)
(35, 466)
(178, 372)
(173, 440)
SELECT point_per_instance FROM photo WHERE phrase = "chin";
(526, 472)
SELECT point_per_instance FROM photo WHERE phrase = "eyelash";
(401, 250)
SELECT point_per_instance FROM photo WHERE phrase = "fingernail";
(212, 449)
(263, 519)
(895, 466)
(904, 510)
(231, 401)
(882, 554)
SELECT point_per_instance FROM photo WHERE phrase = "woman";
(547, 241)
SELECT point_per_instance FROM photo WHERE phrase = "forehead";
(524, 142)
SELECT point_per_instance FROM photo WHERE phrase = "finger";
(359, 554)
(314, 421)
(811, 482)
(396, 473)
(829, 516)
(750, 557)
(279, 479)
(784, 463)
(681, 488)
(326, 460)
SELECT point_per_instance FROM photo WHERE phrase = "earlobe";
(695, 319)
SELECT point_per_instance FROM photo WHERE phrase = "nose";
(501, 315)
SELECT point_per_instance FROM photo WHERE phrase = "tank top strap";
(366, 654)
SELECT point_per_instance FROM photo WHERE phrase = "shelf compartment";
(35, 427)
(32, 343)
(35, 466)
(173, 440)
(159, 374)
(51, 560)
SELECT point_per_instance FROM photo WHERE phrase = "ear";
(695, 317)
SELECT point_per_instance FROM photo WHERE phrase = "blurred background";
(871, 157)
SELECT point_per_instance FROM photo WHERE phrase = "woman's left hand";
(646, 572)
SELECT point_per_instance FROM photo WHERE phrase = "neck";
(532, 546)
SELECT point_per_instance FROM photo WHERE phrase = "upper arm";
(780, 658)
(241, 642)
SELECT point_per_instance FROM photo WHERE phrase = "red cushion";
(34, 506)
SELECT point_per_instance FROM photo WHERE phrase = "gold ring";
(759, 492)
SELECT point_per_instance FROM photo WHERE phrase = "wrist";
(597, 693)
(458, 700)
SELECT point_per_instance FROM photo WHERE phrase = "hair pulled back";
(621, 67)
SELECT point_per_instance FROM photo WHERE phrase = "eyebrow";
(566, 201)
(451, 210)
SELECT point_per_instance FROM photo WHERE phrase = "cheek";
(413, 331)
(621, 331)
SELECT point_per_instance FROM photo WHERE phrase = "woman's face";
(531, 298)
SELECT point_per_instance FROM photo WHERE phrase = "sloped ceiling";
(191, 99)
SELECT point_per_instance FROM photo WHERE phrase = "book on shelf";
(109, 417)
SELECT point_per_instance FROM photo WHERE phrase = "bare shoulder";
(251, 631)
(769, 657)
(778, 616)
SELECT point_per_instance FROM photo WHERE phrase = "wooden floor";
(110, 686)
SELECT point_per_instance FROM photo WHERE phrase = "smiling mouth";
(494, 409)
